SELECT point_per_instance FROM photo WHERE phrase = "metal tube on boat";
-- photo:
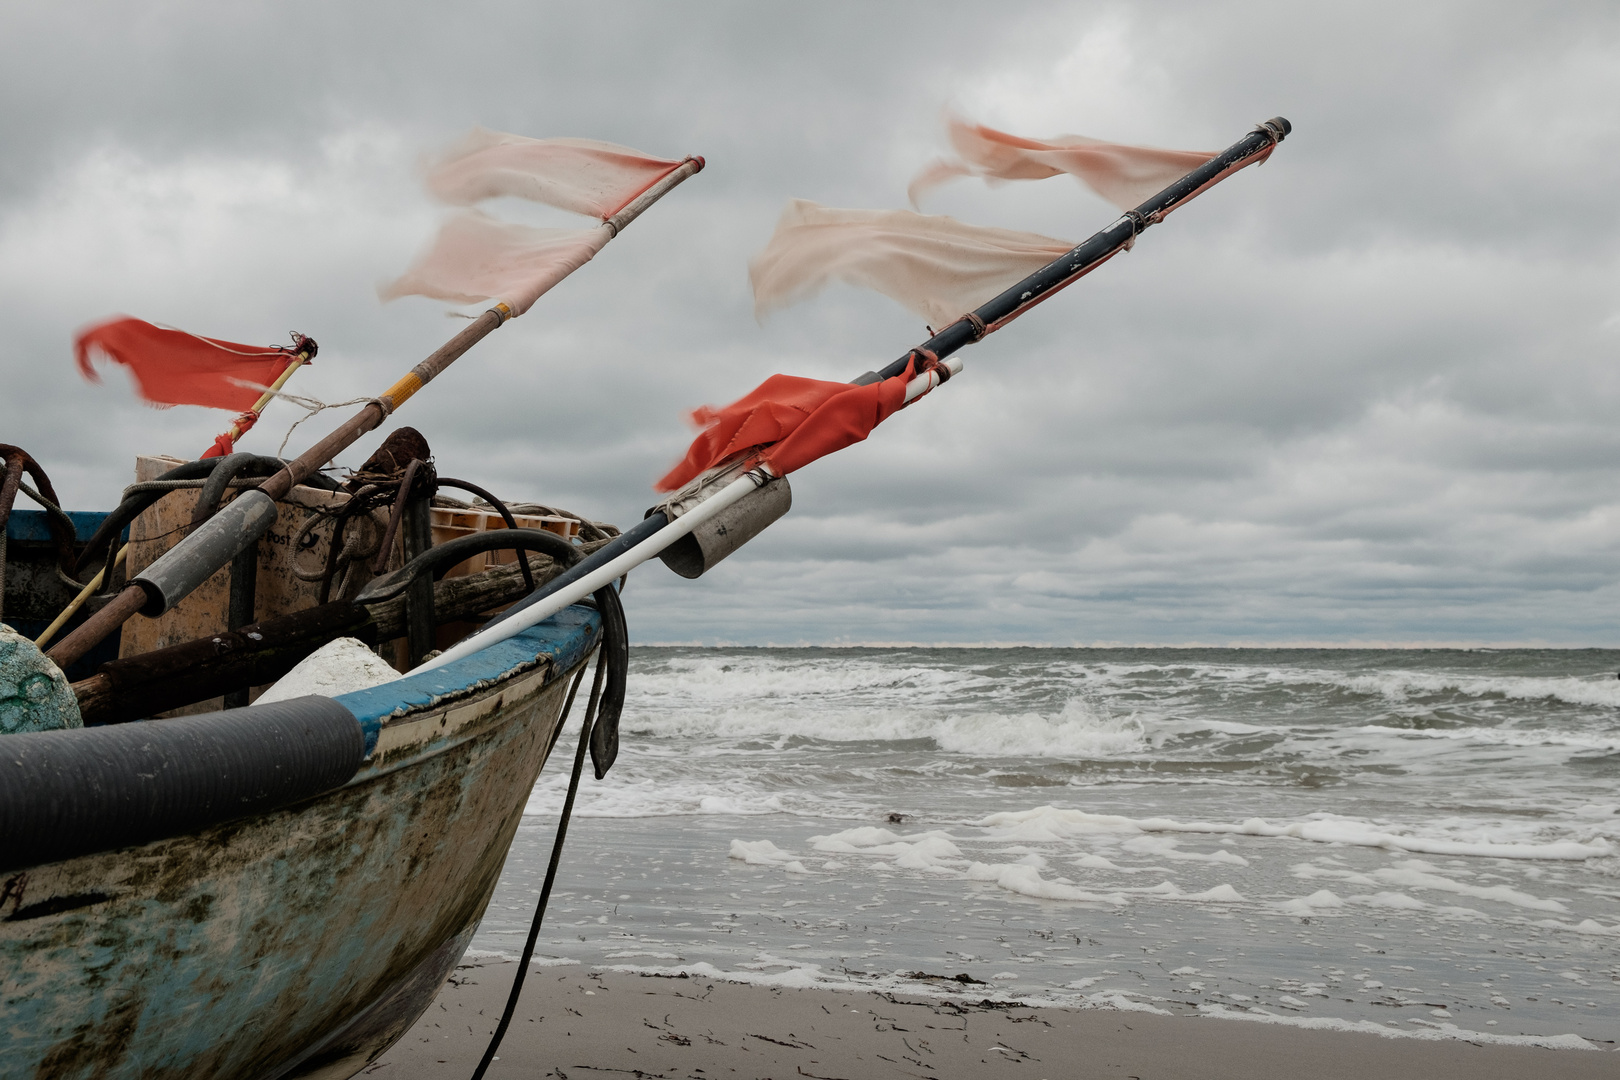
(211, 545)
(699, 550)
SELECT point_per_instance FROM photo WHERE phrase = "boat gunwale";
(484, 705)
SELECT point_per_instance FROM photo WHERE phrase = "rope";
(310, 405)
(1138, 223)
(1271, 130)
(177, 485)
(927, 360)
(268, 350)
(344, 552)
(50, 507)
(61, 515)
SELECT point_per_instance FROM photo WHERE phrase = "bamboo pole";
(303, 357)
(299, 360)
(134, 597)
(78, 601)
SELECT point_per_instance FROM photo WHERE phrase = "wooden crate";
(450, 522)
(279, 591)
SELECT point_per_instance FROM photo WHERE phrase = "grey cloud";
(1363, 393)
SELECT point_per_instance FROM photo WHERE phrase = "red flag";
(173, 367)
(799, 419)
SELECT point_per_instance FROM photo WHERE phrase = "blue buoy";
(34, 694)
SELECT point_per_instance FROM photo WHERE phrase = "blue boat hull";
(305, 941)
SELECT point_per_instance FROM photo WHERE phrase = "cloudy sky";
(1367, 393)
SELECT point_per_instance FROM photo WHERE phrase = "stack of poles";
(658, 531)
(215, 548)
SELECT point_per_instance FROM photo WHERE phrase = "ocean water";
(1424, 842)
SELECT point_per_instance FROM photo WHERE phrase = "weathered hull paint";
(298, 943)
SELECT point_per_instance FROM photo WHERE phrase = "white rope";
(310, 405)
(268, 351)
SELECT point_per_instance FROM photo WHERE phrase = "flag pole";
(234, 432)
(213, 544)
(658, 531)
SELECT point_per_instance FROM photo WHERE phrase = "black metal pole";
(1093, 252)
(995, 314)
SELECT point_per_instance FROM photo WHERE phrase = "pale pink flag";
(1126, 176)
(476, 258)
(582, 175)
(934, 265)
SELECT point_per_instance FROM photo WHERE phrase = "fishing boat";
(276, 890)
(203, 873)
(203, 877)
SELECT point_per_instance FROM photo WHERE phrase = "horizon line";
(1378, 645)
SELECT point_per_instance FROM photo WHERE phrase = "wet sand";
(574, 1023)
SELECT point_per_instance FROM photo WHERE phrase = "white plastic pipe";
(599, 577)
(925, 382)
(639, 554)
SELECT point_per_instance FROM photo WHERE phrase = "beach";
(574, 1023)
(1070, 862)
(1412, 840)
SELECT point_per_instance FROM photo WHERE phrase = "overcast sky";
(1367, 393)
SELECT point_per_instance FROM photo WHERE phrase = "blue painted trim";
(565, 638)
(30, 525)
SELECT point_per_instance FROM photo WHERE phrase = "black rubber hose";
(106, 536)
(442, 557)
(600, 557)
(84, 790)
(213, 490)
(500, 508)
(615, 630)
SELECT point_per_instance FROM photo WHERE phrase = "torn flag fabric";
(172, 367)
(797, 421)
(935, 265)
(588, 177)
(1124, 175)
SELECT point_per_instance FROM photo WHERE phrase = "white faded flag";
(1124, 175)
(476, 257)
(588, 177)
(937, 266)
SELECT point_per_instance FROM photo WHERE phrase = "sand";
(574, 1023)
